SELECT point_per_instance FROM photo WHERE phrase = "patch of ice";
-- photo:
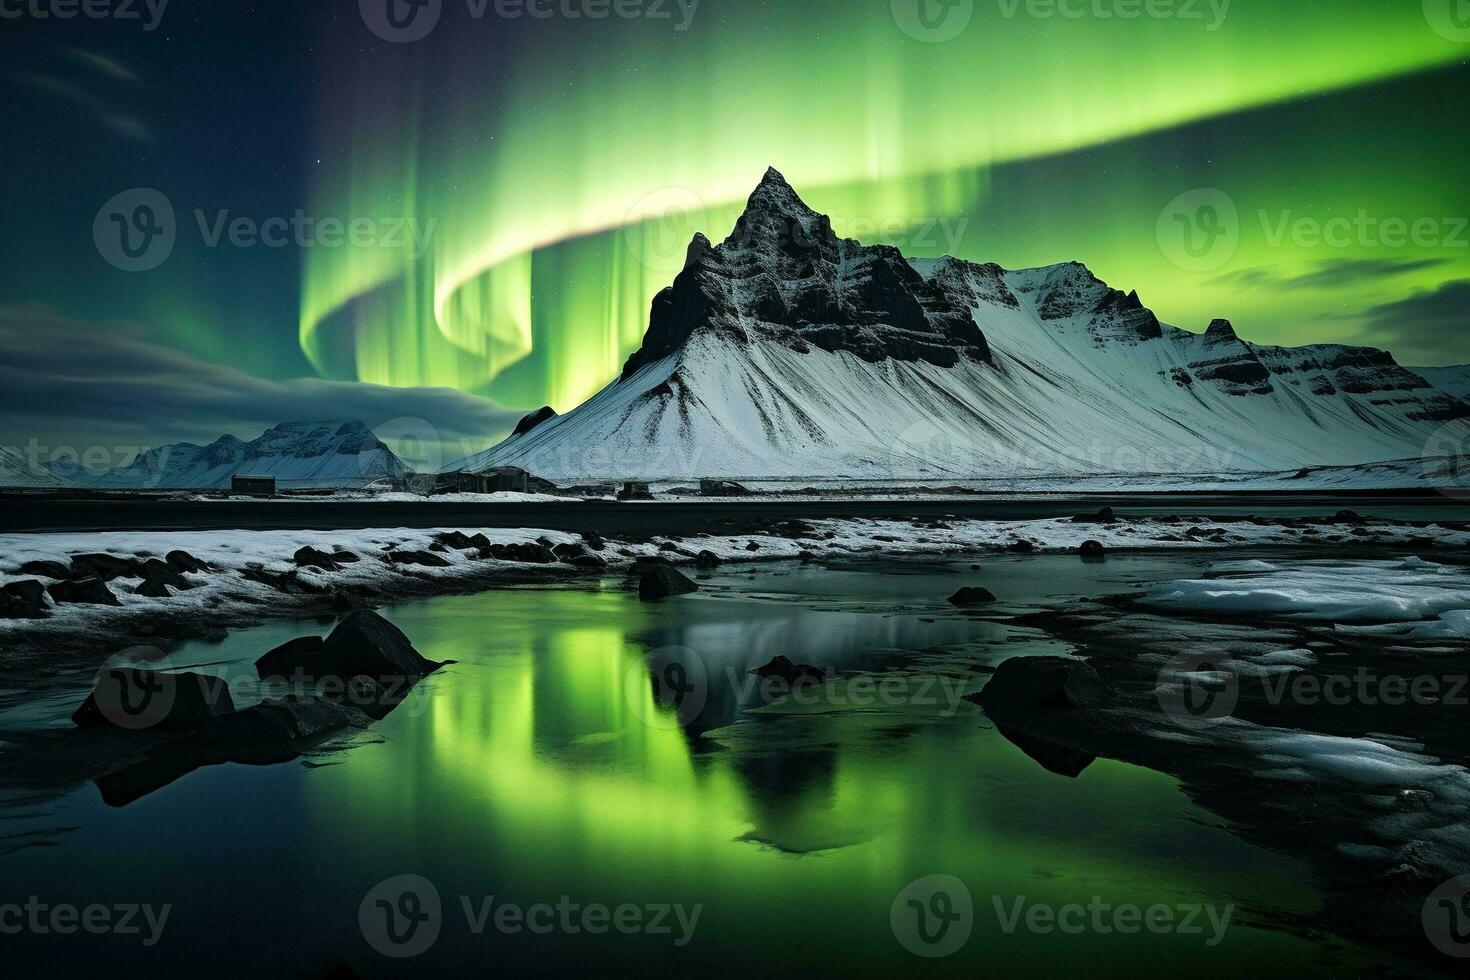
(1252, 565)
(1331, 591)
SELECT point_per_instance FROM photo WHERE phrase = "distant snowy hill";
(18, 471)
(302, 454)
(786, 352)
(1453, 380)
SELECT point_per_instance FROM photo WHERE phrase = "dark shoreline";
(33, 513)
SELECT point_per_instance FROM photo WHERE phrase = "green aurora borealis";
(563, 164)
(565, 198)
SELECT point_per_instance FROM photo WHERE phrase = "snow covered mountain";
(1453, 380)
(786, 352)
(18, 471)
(302, 454)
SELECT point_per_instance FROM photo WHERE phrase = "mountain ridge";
(321, 453)
(788, 352)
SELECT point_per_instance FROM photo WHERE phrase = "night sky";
(474, 222)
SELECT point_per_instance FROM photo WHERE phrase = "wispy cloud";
(1431, 326)
(111, 386)
(1324, 274)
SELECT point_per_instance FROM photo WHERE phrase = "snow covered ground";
(233, 553)
(403, 497)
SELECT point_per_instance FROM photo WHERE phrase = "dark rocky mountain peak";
(784, 275)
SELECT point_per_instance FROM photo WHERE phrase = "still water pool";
(540, 771)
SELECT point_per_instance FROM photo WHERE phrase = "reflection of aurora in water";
(562, 208)
(526, 772)
(534, 767)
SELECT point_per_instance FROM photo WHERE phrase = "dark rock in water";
(663, 581)
(1028, 684)
(427, 558)
(806, 556)
(290, 719)
(46, 569)
(972, 596)
(1104, 516)
(288, 658)
(786, 670)
(1021, 547)
(132, 699)
(309, 557)
(346, 602)
(1061, 759)
(363, 644)
(87, 591)
(1347, 517)
(105, 567)
(153, 589)
(25, 599)
(362, 693)
(706, 559)
(367, 644)
(594, 540)
(157, 572)
(1092, 549)
(182, 561)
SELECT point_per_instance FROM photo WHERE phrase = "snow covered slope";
(295, 453)
(17, 471)
(1453, 380)
(786, 352)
